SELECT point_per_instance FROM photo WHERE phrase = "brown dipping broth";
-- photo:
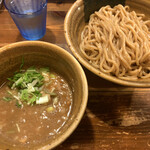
(34, 124)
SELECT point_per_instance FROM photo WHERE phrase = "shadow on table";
(117, 106)
(110, 107)
(96, 82)
(107, 100)
(49, 37)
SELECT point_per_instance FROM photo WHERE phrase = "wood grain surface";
(116, 118)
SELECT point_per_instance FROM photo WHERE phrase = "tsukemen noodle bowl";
(115, 42)
(42, 96)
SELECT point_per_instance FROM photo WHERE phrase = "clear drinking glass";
(29, 16)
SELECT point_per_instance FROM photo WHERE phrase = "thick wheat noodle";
(117, 42)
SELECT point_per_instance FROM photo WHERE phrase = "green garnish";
(10, 132)
(50, 109)
(30, 97)
(46, 69)
(18, 128)
(28, 84)
(52, 76)
(52, 93)
(18, 104)
(7, 99)
(22, 63)
(21, 79)
(43, 99)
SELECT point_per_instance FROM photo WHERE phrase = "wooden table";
(116, 118)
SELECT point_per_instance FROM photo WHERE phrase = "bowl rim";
(84, 83)
(69, 14)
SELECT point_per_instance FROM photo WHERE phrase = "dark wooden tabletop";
(116, 118)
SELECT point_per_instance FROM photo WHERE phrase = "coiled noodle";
(117, 42)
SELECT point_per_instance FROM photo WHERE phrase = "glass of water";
(29, 16)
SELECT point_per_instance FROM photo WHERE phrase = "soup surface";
(25, 123)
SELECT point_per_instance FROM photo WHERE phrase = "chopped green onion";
(49, 109)
(43, 99)
(14, 96)
(29, 84)
(52, 90)
(47, 84)
(53, 94)
(7, 99)
(21, 79)
(29, 97)
(22, 63)
(31, 69)
(19, 105)
(52, 76)
(18, 127)
(46, 69)
(55, 100)
(10, 132)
